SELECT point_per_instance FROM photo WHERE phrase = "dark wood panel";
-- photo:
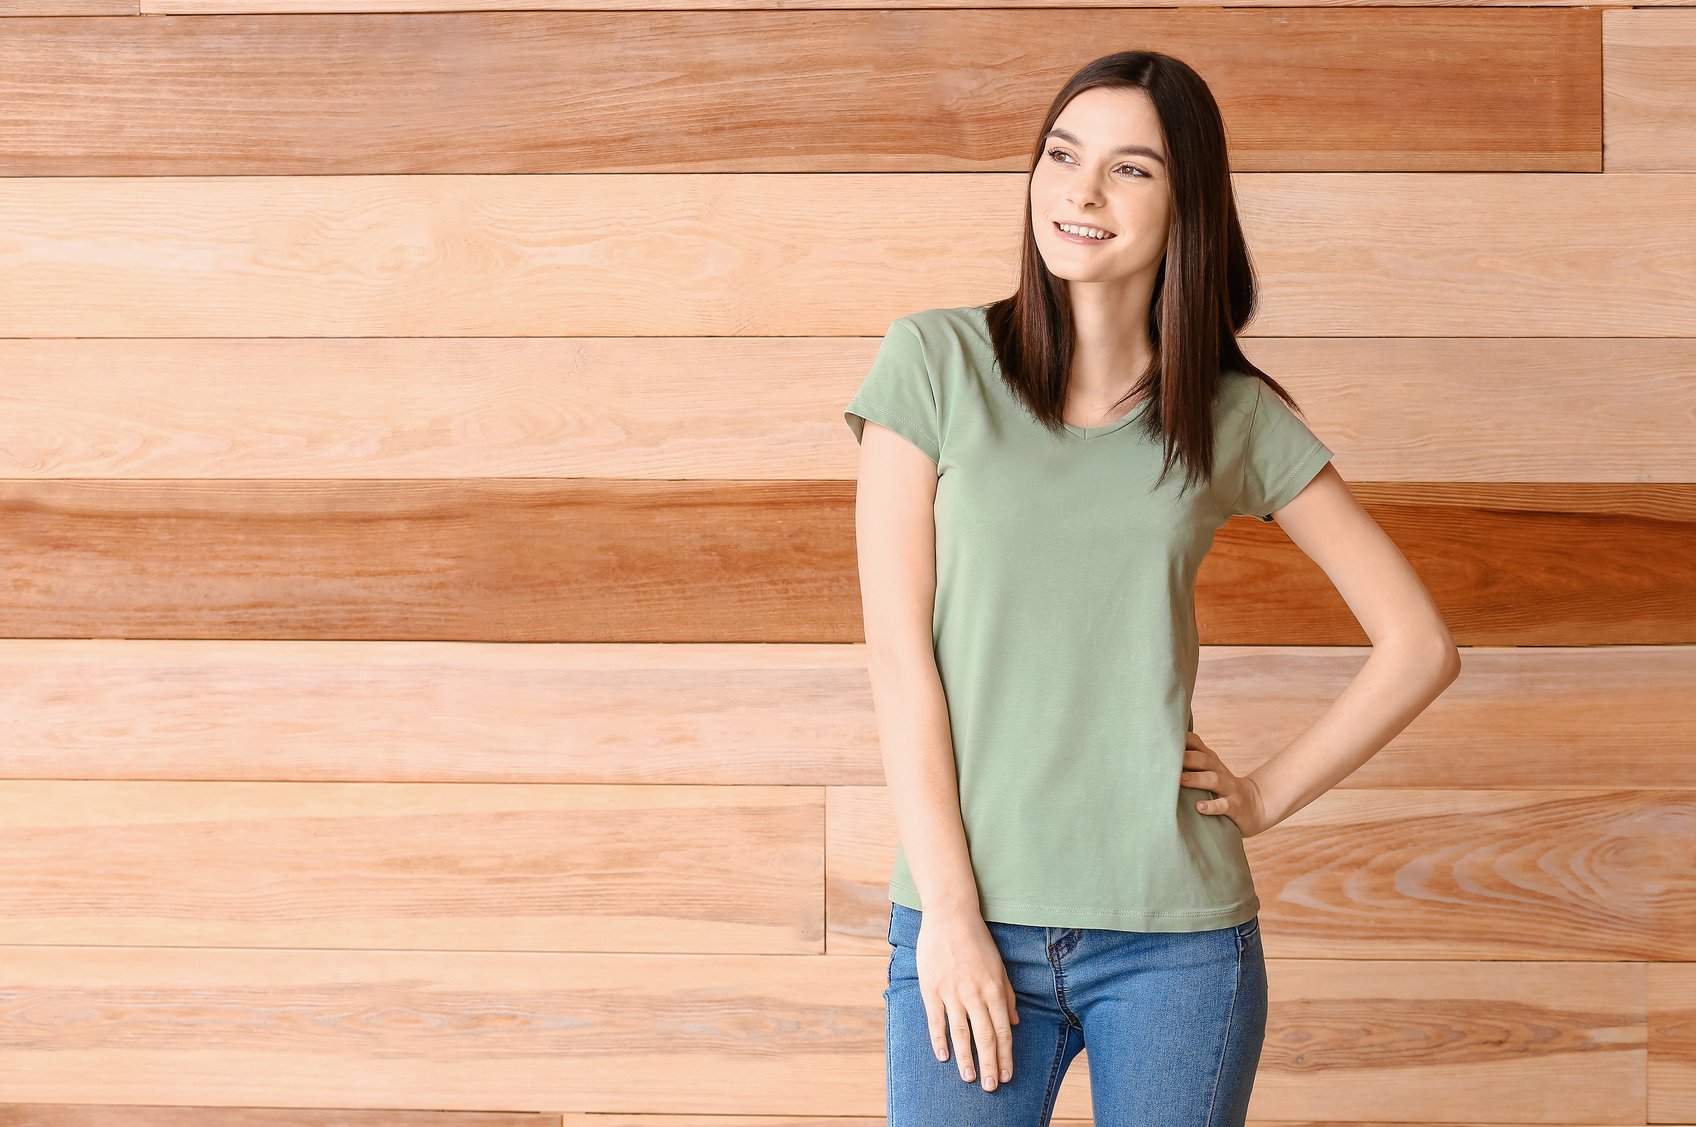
(1350, 1040)
(773, 91)
(636, 561)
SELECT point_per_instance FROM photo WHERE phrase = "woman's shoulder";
(959, 321)
(954, 340)
(1237, 393)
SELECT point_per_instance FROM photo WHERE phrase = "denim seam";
(888, 1061)
(1051, 1095)
(1225, 1048)
(1060, 984)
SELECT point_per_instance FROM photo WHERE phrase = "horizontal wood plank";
(756, 715)
(633, 407)
(1649, 99)
(349, 864)
(1672, 1042)
(1407, 873)
(1501, 89)
(604, 561)
(413, 866)
(748, 1035)
(1450, 254)
(119, 1115)
(13, 9)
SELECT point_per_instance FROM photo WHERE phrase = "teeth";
(1091, 232)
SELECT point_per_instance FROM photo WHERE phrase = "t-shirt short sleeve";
(1282, 455)
(898, 392)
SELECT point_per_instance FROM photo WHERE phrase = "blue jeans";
(1175, 1022)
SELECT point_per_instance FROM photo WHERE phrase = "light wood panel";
(98, 1115)
(109, 1115)
(1409, 873)
(445, 868)
(598, 561)
(1649, 97)
(772, 91)
(1552, 1043)
(770, 408)
(1672, 1042)
(205, 7)
(1346, 254)
(1486, 923)
(1584, 719)
(61, 8)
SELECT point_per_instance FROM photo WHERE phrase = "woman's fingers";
(977, 1016)
(959, 1022)
(936, 1016)
(998, 1065)
(987, 1040)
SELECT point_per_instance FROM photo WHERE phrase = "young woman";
(1071, 866)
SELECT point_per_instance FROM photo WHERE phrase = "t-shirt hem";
(910, 429)
(1296, 479)
(999, 910)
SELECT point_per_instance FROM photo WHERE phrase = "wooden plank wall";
(430, 687)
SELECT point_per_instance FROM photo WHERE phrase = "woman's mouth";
(1090, 239)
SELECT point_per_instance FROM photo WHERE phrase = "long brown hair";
(1204, 292)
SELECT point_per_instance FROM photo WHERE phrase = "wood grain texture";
(406, 866)
(712, 715)
(111, 1115)
(1593, 718)
(1443, 873)
(296, 356)
(1516, 89)
(1649, 99)
(603, 561)
(1436, 848)
(1672, 1042)
(1366, 873)
(1378, 255)
(770, 408)
(210, 7)
(1548, 1043)
(13, 9)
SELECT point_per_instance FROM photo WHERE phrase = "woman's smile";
(1071, 238)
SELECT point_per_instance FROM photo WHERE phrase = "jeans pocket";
(1248, 929)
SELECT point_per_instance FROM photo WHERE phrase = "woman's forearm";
(923, 786)
(1396, 684)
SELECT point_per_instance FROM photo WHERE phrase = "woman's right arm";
(896, 541)
(968, 997)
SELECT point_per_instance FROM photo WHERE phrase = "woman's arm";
(896, 537)
(1413, 656)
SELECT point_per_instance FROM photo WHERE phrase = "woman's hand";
(1238, 795)
(962, 980)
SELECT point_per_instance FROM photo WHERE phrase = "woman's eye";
(1056, 153)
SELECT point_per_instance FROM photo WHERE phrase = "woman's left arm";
(1413, 657)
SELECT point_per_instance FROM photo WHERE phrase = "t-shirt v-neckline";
(1109, 428)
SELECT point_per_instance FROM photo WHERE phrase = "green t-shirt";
(1064, 631)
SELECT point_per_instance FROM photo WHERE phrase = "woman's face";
(1083, 177)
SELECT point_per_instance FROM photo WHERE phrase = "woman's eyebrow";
(1134, 150)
